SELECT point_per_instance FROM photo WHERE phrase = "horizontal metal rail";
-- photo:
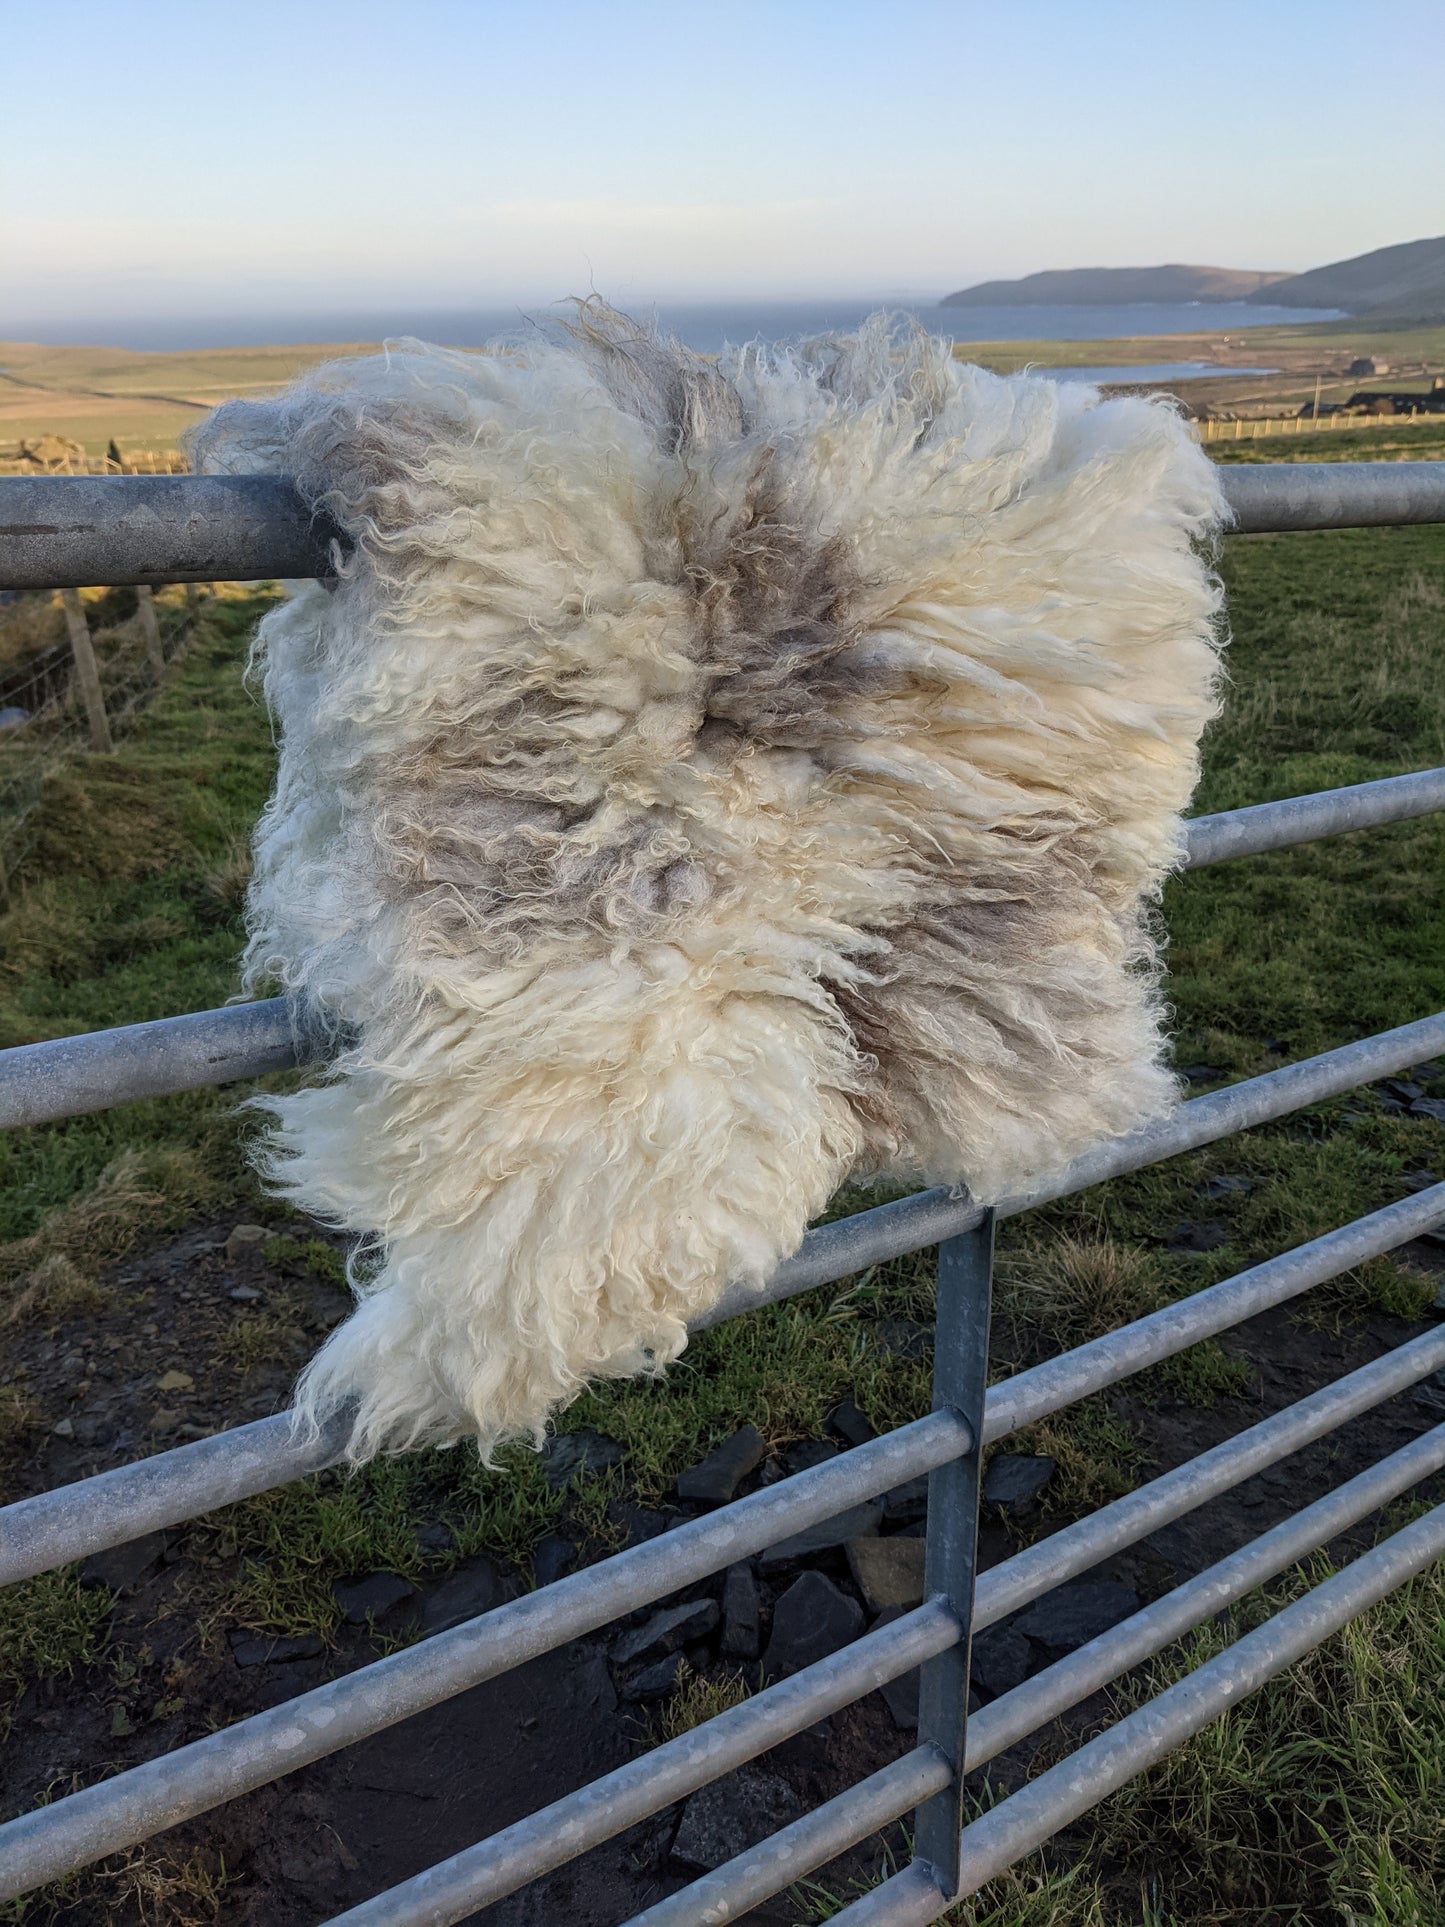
(66, 531)
(42, 1845)
(452, 1889)
(752, 1877)
(456, 1887)
(72, 1521)
(1023, 1822)
(1050, 1562)
(119, 1812)
(785, 1856)
(70, 1076)
(1304, 819)
(1281, 498)
(1033, 1394)
(478, 1875)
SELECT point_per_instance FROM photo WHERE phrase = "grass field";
(1321, 1800)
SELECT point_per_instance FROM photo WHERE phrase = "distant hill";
(1403, 283)
(1113, 287)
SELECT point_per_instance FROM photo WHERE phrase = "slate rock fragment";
(810, 1620)
(664, 1632)
(714, 1479)
(741, 1612)
(1014, 1480)
(1070, 1616)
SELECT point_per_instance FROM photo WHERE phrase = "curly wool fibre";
(706, 782)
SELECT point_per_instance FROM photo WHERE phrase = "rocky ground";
(128, 1380)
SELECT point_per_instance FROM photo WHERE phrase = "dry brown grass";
(1076, 1289)
(51, 1273)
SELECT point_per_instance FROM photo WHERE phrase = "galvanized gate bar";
(1031, 1816)
(1005, 1588)
(119, 1812)
(730, 1890)
(69, 1076)
(963, 1300)
(1014, 1715)
(477, 1876)
(116, 1813)
(834, 1250)
(1304, 819)
(252, 526)
(1045, 1388)
(1277, 498)
(72, 1521)
(64, 531)
(785, 1856)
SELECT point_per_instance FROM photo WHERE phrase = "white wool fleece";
(705, 783)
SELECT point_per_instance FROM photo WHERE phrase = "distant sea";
(705, 328)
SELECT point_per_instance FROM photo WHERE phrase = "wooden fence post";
(150, 629)
(193, 599)
(86, 672)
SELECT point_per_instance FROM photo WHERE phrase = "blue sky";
(246, 157)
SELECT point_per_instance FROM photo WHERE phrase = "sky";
(204, 157)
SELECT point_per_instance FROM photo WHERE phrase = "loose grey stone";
(714, 1480)
(811, 1619)
(119, 1567)
(1198, 1237)
(245, 1239)
(564, 1457)
(64, 1430)
(906, 1504)
(1070, 1616)
(858, 1522)
(372, 1597)
(900, 1696)
(849, 1423)
(435, 1539)
(807, 1453)
(473, 1589)
(1229, 1186)
(551, 1558)
(1429, 1107)
(665, 1631)
(902, 1338)
(1000, 1660)
(725, 1819)
(248, 1649)
(245, 1294)
(740, 1613)
(655, 1682)
(1014, 1480)
(92, 1429)
(888, 1572)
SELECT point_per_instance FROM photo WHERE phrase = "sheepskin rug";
(706, 782)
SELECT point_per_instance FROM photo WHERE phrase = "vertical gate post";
(151, 629)
(960, 1378)
(86, 672)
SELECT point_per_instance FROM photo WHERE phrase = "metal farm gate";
(70, 531)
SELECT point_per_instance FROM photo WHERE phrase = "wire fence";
(48, 715)
(951, 1859)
